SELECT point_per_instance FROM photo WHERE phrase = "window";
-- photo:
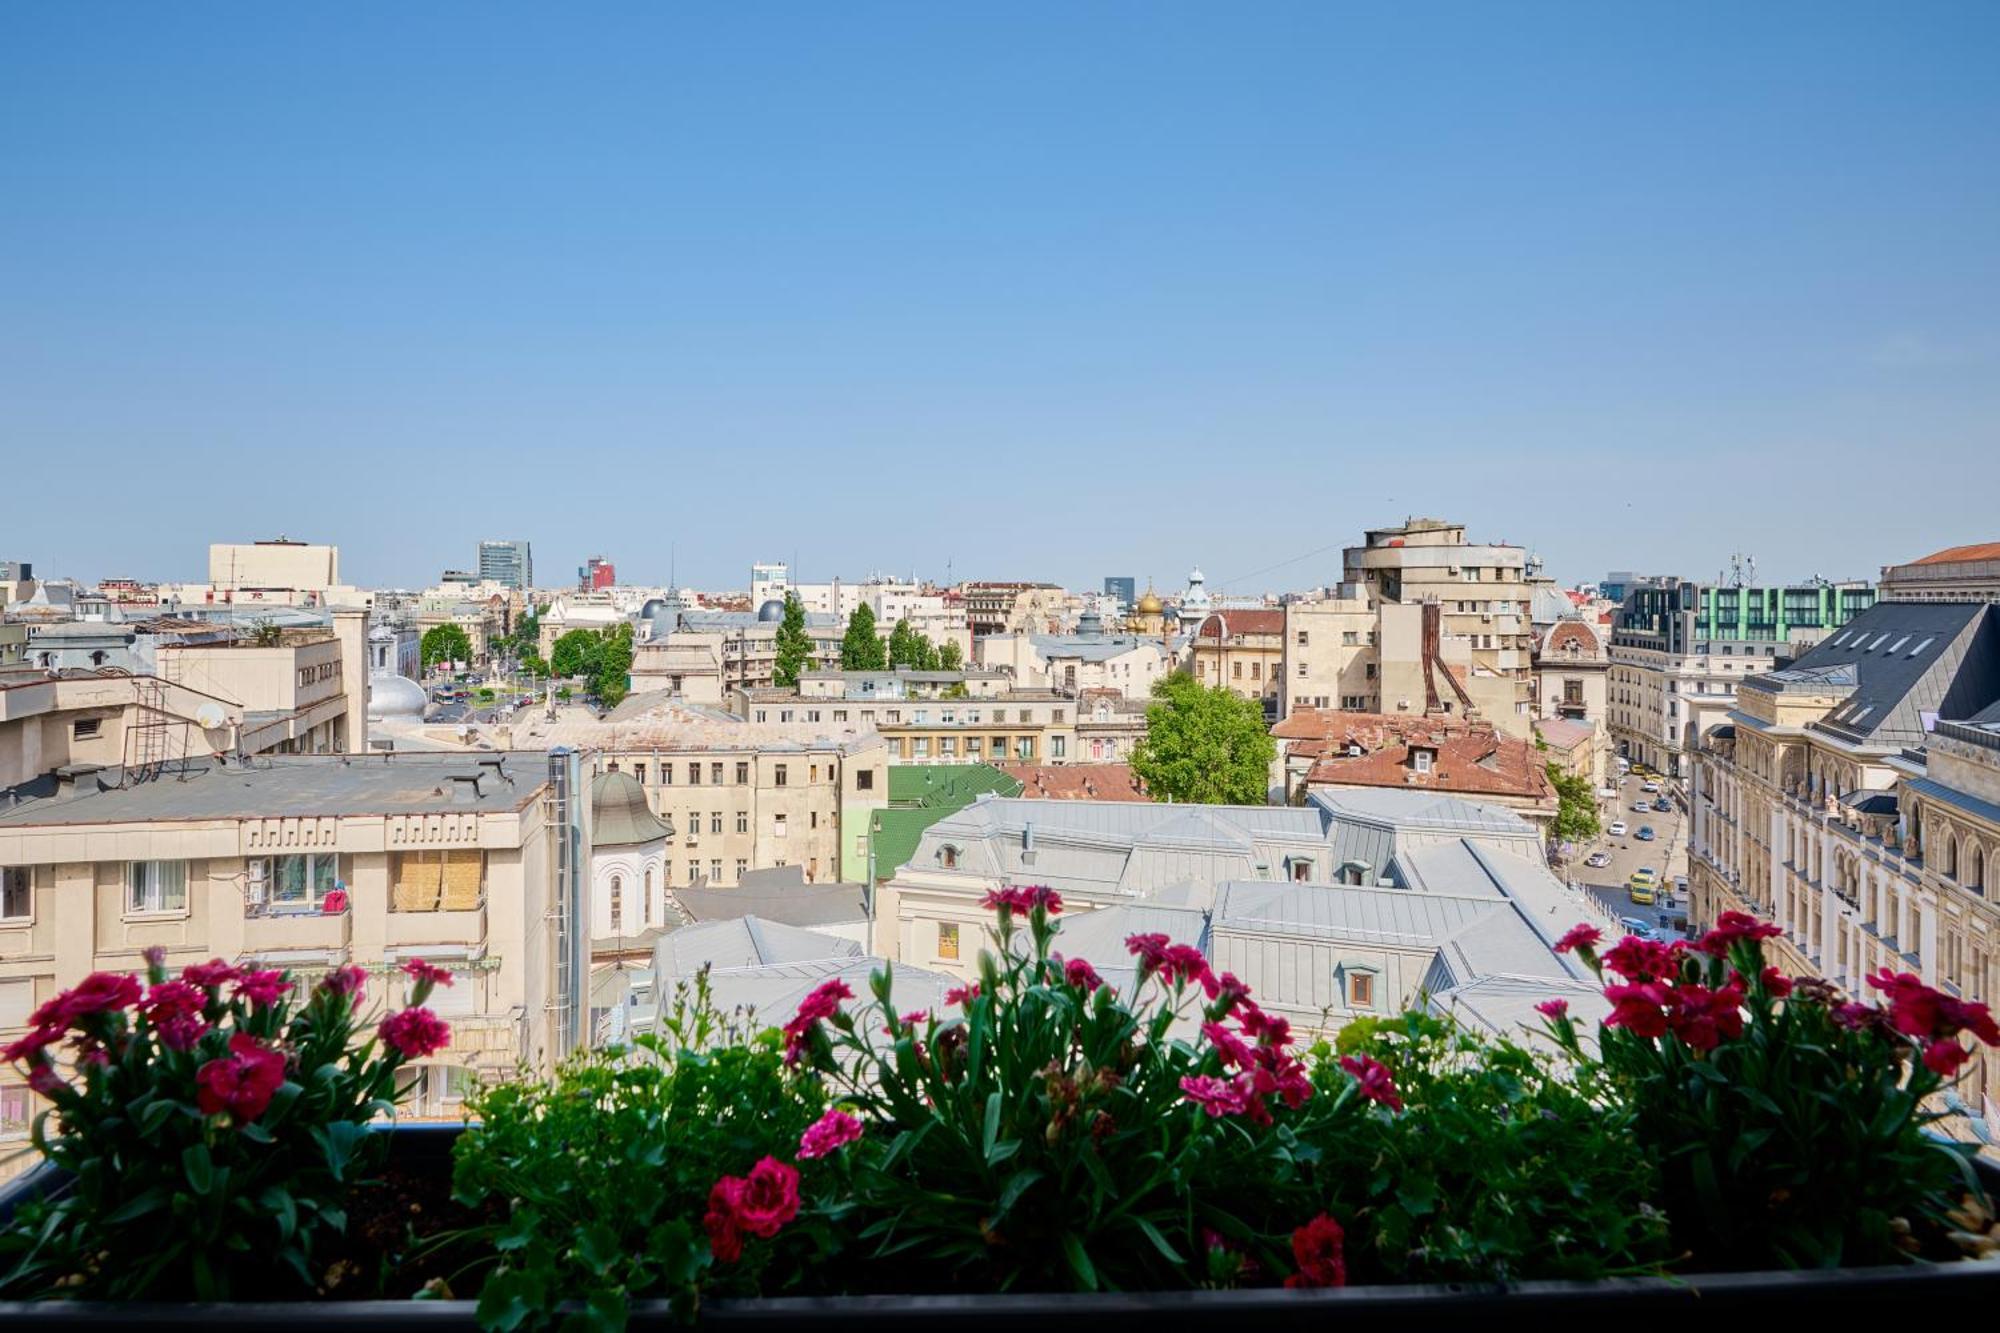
(1421, 760)
(17, 1001)
(87, 728)
(1350, 639)
(1024, 749)
(1302, 638)
(715, 871)
(1302, 671)
(1058, 747)
(922, 747)
(1360, 990)
(694, 775)
(17, 899)
(296, 881)
(778, 775)
(1238, 672)
(639, 772)
(694, 871)
(778, 826)
(948, 857)
(1302, 869)
(973, 746)
(840, 715)
(865, 779)
(156, 886)
(948, 939)
(742, 821)
(16, 1111)
(743, 865)
(666, 775)
(1256, 673)
(617, 904)
(649, 896)
(715, 821)
(742, 773)
(715, 775)
(948, 747)
(451, 880)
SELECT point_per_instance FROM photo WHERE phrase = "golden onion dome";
(1149, 605)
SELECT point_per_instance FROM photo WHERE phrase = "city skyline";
(1111, 291)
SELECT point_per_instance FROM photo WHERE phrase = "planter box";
(1792, 1296)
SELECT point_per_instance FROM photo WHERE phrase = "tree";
(1576, 806)
(534, 667)
(611, 680)
(576, 653)
(527, 636)
(1204, 745)
(444, 643)
(794, 645)
(906, 646)
(950, 657)
(861, 647)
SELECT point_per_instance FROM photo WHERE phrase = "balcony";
(279, 928)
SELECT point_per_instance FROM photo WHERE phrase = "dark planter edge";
(1270, 1308)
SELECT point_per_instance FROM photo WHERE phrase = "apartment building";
(448, 858)
(998, 608)
(1019, 726)
(1854, 798)
(1680, 651)
(1955, 574)
(1109, 726)
(1243, 652)
(742, 794)
(1329, 656)
(1089, 659)
(703, 655)
(902, 683)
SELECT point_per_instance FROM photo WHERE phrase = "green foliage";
(576, 653)
(951, 657)
(600, 1177)
(794, 645)
(534, 667)
(611, 675)
(1799, 1143)
(1501, 1168)
(526, 640)
(1204, 745)
(1576, 806)
(266, 634)
(861, 647)
(169, 1203)
(911, 648)
(445, 643)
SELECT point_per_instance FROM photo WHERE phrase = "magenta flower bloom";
(415, 1033)
(832, 1131)
(1579, 937)
(1553, 1009)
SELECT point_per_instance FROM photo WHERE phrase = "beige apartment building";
(1329, 655)
(1089, 659)
(1243, 652)
(741, 794)
(1003, 608)
(1955, 574)
(703, 655)
(1854, 799)
(447, 858)
(1013, 726)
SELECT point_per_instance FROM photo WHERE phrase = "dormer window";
(948, 857)
(1421, 759)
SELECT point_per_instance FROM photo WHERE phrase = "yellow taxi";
(1644, 886)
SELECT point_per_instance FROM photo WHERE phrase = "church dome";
(653, 606)
(771, 610)
(1149, 605)
(392, 697)
(620, 816)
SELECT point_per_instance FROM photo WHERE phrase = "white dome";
(393, 696)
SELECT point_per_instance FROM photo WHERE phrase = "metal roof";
(1903, 665)
(287, 786)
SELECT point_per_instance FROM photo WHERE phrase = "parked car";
(1634, 926)
(1645, 833)
(1643, 808)
(1642, 894)
(1617, 829)
(1664, 806)
(1649, 785)
(1598, 860)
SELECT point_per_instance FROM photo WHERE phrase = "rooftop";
(662, 720)
(1077, 782)
(283, 786)
(1955, 554)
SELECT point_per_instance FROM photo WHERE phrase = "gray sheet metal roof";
(1327, 911)
(745, 942)
(786, 899)
(283, 786)
(1087, 647)
(1907, 662)
(1938, 791)
(1419, 809)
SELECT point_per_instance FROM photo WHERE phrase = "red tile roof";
(1472, 758)
(1953, 554)
(1076, 782)
(1220, 623)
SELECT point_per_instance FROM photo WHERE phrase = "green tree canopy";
(445, 643)
(611, 680)
(1576, 806)
(906, 646)
(861, 647)
(950, 657)
(1204, 745)
(533, 666)
(794, 644)
(576, 653)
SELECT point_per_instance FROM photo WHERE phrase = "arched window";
(617, 903)
(948, 857)
(1951, 857)
(1977, 879)
(649, 895)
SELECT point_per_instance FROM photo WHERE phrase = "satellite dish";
(210, 716)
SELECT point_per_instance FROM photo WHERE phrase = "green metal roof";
(922, 794)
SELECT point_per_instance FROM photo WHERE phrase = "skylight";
(1925, 644)
(1880, 639)
(1838, 639)
(1897, 646)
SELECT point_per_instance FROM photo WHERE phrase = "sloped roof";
(1077, 782)
(1221, 624)
(1955, 554)
(1904, 666)
(779, 895)
(620, 815)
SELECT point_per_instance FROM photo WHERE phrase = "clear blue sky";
(1036, 290)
